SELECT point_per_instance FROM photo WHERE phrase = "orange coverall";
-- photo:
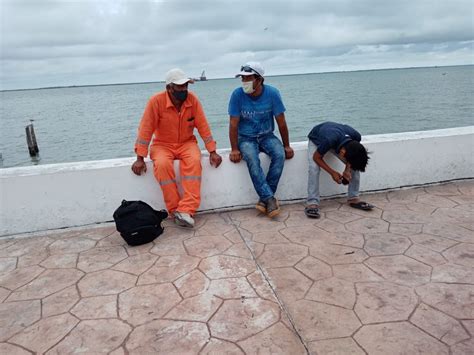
(174, 139)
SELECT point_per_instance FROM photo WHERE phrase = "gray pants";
(313, 179)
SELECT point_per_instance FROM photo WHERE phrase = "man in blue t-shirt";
(344, 142)
(252, 109)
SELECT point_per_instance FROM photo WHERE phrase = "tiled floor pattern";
(396, 280)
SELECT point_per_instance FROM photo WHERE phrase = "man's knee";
(191, 156)
(194, 160)
(249, 153)
(253, 161)
(248, 147)
(163, 166)
(277, 155)
(191, 166)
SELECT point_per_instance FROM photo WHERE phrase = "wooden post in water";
(31, 140)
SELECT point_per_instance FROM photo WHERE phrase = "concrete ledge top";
(120, 162)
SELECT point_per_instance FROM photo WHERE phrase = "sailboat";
(203, 76)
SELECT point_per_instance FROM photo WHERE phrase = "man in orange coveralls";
(171, 116)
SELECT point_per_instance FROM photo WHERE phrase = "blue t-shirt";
(256, 113)
(331, 135)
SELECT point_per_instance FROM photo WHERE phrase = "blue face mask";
(180, 95)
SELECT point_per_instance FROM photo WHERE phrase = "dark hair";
(356, 155)
(258, 77)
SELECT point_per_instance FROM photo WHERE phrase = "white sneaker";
(183, 219)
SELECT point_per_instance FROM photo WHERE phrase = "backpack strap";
(162, 214)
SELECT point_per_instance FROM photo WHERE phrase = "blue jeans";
(265, 186)
(313, 179)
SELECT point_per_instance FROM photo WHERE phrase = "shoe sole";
(261, 208)
(182, 223)
(311, 215)
(274, 213)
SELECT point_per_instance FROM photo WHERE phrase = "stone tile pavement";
(397, 280)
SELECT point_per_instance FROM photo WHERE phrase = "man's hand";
(336, 177)
(235, 156)
(139, 166)
(215, 159)
(289, 153)
(347, 175)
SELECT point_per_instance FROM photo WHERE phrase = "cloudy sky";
(63, 42)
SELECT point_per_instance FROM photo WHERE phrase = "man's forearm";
(285, 137)
(234, 137)
(283, 128)
(320, 161)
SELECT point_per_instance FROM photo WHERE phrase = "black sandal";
(364, 206)
(312, 212)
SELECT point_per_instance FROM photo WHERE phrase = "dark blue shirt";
(256, 113)
(332, 135)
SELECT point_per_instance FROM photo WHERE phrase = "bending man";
(344, 142)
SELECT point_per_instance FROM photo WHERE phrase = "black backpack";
(138, 223)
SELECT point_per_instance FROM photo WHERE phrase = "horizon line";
(224, 78)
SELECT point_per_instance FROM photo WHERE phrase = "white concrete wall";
(73, 194)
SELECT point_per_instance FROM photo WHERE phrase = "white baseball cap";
(251, 68)
(176, 76)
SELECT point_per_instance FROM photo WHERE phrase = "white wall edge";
(52, 196)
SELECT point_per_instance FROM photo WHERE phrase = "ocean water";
(100, 122)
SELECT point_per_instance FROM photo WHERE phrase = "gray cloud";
(51, 43)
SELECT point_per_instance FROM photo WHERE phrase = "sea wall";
(64, 195)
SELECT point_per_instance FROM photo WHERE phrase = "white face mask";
(247, 86)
